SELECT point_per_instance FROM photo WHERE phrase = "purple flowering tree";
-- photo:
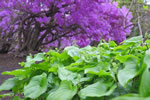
(59, 23)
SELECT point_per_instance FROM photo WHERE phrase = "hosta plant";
(109, 71)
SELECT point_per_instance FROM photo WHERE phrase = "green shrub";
(91, 73)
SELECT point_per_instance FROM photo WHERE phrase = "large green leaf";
(41, 66)
(8, 84)
(74, 52)
(100, 66)
(97, 89)
(124, 58)
(134, 40)
(147, 58)
(31, 60)
(128, 72)
(53, 80)
(145, 81)
(36, 87)
(131, 97)
(65, 92)
(65, 74)
(39, 57)
(18, 72)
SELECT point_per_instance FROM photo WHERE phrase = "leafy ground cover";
(109, 71)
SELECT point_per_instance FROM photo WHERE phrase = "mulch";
(8, 62)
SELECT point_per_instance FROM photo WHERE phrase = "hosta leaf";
(42, 66)
(8, 84)
(131, 97)
(39, 57)
(128, 98)
(105, 66)
(92, 70)
(31, 60)
(145, 81)
(65, 92)
(112, 44)
(65, 74)
(98, 89)
(134, 40)
(74, 52)
(17, 72)
(6, 95)
(36, 87)
(53, 80)
(147, 58)
(128, 72)
(123, 59)
(148, 98)
(98, 72)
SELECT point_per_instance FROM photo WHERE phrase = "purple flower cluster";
(72, 21)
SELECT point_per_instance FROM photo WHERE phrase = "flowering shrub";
(63, 22)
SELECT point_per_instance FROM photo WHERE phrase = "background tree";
(32, 24)
(141, 16)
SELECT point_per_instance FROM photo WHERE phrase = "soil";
(8, 62)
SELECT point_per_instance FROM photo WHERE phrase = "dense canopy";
(63, 22)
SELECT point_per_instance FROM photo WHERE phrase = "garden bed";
(7, 63)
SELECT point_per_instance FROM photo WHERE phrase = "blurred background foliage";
(141, 16)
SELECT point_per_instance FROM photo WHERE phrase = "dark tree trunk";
(4, 46)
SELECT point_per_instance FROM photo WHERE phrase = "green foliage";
(36, 87)
(145, 81)
(65, 92)
(8, 84)
(98, 89)
(109, 71)
(129, 71)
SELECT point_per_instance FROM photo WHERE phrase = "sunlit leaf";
(65, 92)
(37, 86)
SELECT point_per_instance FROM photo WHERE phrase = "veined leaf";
(65, 74)
(65, 92)
(8, 84)
(134, 40)
(36, 87)
(131, 97)
(145, 81)
(39, 57)
(17, 72)
(74, 52)
(128, 72)
(31, 60)
(97, 89)
(123, 59)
